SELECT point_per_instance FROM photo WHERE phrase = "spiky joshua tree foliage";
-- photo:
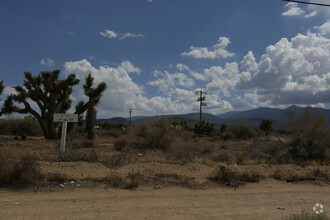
(94, 95)
(1, 87)
(48, 92)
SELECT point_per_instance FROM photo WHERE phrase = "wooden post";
(65, 118)
(63, 136)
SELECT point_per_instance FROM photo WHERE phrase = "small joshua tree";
(94, 95)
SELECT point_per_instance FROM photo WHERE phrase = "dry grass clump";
(226, 176)
(182, 151)
(117, 160)
(80, 143)
(120, 143)
(319, 174)
(76, 155)
(17, 168)
(279, 174)
(309, 216)
(131, 181)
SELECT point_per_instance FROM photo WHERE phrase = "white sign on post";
(65, 118)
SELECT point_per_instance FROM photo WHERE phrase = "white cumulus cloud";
(166, 81)
(217, 51)
(295, 71)
(222, 79)
(293, 10)
(324, 29)
(123, 93)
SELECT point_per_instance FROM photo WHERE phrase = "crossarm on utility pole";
(201, 103)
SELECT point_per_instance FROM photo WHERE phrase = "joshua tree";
(94, 95)
(48, 92)
(1, 88)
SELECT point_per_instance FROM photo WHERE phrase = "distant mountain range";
(251, 117)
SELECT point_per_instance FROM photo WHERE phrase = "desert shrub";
(228, 177)
(227, 136)
(268, 150)
(152, 136)
(241, 159)
(307, 121)
(120, 143)
(266, 126)
(115, 132)
(204, 128)
(184, 134)
(21, 127)
(306, 147)
(318, 174)
(184, 152)
(79, 143)
(76, 155)
(17, 168)
(74, 131)
(241, 131)
(116, 160)
(221, 157)
(279, 174)
(223, 128)
(134, 180)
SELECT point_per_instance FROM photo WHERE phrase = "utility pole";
(130, 117)
(201, 103)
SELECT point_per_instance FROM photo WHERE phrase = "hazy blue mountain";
(251, 117)
(254, 116)
(117, 120)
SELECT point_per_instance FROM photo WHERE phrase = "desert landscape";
(150, 109)
(117, 176)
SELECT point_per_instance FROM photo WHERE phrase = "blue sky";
(154, 54)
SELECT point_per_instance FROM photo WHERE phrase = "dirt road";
(267, 200)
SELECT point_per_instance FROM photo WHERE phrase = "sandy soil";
(85, 192)
(270, 199)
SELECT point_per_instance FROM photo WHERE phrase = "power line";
(310, 3)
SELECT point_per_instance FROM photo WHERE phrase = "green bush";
(204, 128)
(266, 126)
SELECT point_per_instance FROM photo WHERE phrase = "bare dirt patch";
(270, 199)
